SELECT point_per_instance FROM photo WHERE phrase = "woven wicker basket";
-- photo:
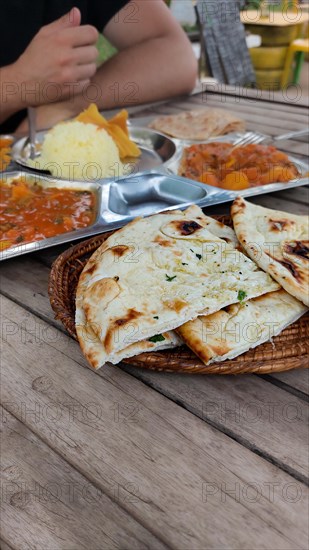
(289, 350)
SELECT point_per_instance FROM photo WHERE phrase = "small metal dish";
(157, 150)
(302, 167)
(7, 179)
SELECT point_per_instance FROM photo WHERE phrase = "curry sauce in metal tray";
(38, 211)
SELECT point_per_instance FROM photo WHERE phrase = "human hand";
(59, 61)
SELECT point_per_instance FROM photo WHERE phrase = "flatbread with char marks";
(159, 272)
(198, 124)
(240, 327)
(278, 242)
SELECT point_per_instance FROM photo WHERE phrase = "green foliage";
(106, 50)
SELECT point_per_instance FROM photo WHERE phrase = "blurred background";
(258, 43)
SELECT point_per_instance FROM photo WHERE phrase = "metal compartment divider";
(141, 194)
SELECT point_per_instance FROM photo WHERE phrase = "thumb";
(70, 19)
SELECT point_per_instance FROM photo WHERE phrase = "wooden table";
(132, 459)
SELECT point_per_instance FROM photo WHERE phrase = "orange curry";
(5, 151)
(222, 165)
(30, 212)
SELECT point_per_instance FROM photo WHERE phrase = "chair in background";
(296, 52)
(223, 42)
(280, 23)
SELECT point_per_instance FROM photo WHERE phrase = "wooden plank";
(48, 256)
(25, 281)
(271, 126)
(269, 200)
(19, 282)
(257, 123)
(245, 96)
(273, 200)
(247, 107)
(263, 417)
(269, 122)
(298, 194)
(47, 504)
(259, 119)
(294, 120)
(124, 433)
(285, 97)
(286, 102)
(248, 103)
(298, 379)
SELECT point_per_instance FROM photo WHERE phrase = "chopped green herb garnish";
(241, 295)
(156, 338)
(183, 263)
(155, 317)
(169, 279)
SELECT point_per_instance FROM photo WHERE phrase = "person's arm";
(60, 54)
(10, 97)
(155, 60)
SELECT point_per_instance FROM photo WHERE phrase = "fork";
(256, 137)
(32, 131)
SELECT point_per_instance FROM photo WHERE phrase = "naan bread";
(278, 242)
(159, 272)
(199, 124)
(95, 352)
(240, 327)
(92, 347)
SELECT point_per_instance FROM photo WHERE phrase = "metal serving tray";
(303, 168)
(164, 153)
(118, 202)
(145, 192)
(172, 164)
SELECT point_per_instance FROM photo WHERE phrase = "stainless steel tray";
(303, 168)
(156, 150)
(120, 201)
(173, 164)
(146, 191)
(164, 153)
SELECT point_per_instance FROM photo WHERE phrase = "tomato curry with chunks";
(30, 212)
(229, 167)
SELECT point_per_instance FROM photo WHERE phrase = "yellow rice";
(78, 151)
